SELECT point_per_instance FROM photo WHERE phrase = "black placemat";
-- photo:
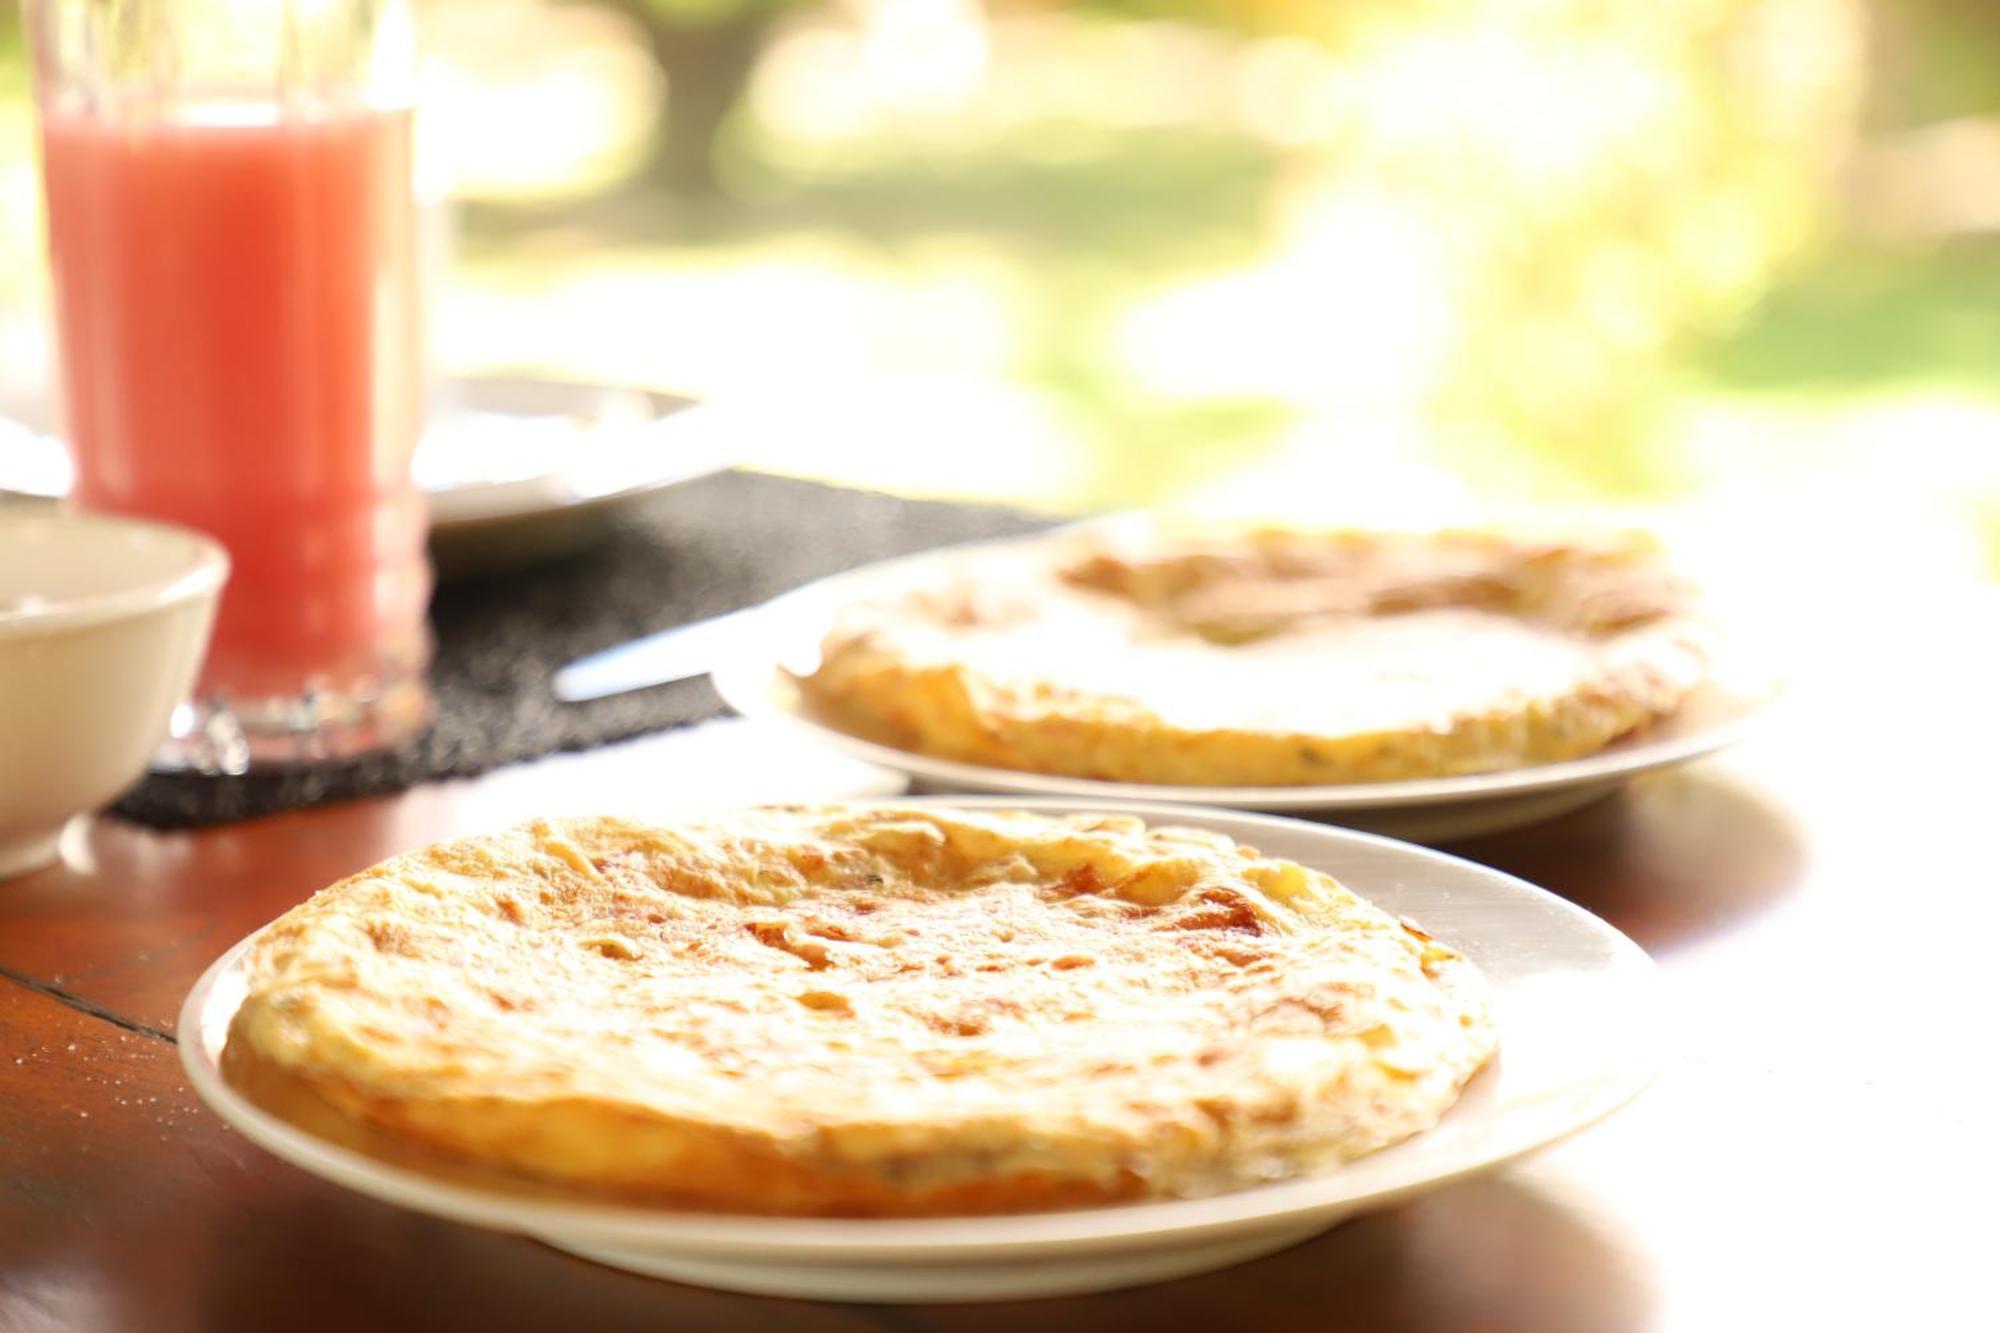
(711, 546)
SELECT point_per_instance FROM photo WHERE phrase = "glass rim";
(140, 58)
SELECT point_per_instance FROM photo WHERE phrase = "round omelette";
(1254, 657)
(865, 1011)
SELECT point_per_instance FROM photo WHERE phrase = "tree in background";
(707, 50)
(1933, 60)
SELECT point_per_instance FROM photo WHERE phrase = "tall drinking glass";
(233, 236)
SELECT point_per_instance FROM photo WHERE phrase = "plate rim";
(476, 504)
(1325, 1196)
(751, 678)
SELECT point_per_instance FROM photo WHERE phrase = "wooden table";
(1818, 1154)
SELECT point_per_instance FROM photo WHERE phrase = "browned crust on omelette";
(1119, 659)
(886, 1011)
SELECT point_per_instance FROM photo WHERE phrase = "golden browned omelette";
(1268, 657)
(869, 1011)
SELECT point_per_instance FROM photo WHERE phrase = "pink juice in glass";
(238, 317)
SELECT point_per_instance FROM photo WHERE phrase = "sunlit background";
(1354, 258)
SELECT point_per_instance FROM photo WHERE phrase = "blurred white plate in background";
(516, 468)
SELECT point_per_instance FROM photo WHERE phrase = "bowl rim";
(201, 575)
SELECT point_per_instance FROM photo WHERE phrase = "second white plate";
(784, 636)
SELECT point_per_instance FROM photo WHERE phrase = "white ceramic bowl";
(103, 622)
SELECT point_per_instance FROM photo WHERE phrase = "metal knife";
(680, 653)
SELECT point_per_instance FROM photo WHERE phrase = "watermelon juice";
(239, 330)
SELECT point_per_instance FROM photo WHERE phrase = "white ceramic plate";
(515, 467)
(784, 636)
(512, 448)
(1577, 1004)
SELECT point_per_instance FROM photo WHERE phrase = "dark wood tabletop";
(1818, 1153)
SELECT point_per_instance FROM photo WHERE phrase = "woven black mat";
(711, 546)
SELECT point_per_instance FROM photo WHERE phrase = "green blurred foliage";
(13, 50)
(1864, 321)
(1081, 238)
(1547, 374)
